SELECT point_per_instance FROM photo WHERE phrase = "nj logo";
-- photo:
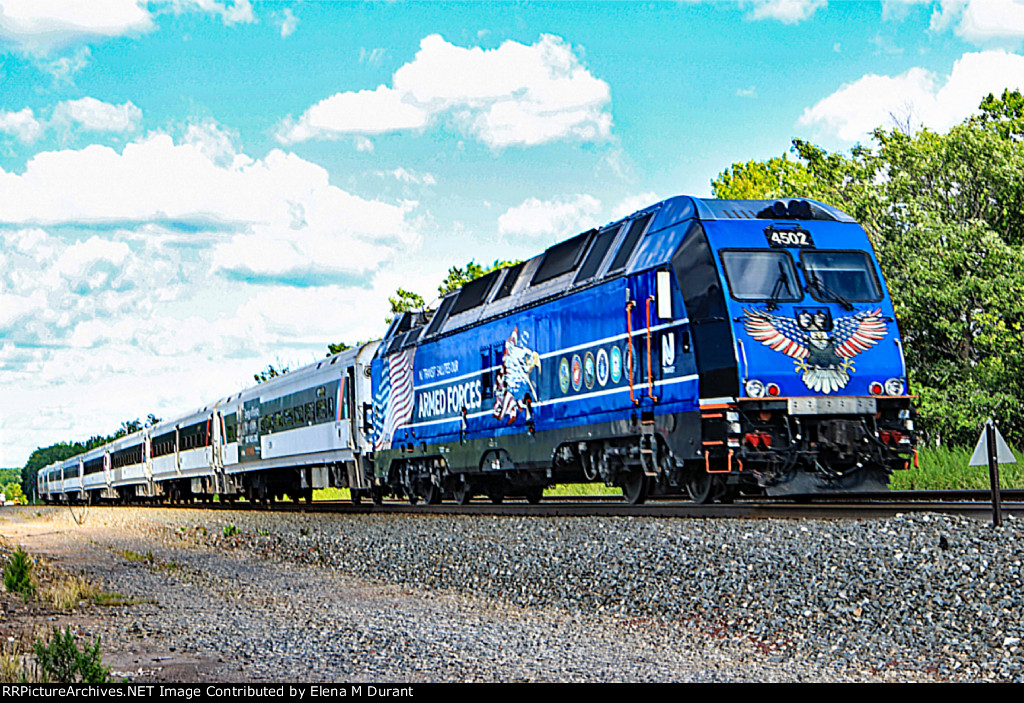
(668, 351)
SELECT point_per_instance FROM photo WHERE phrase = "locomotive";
(698, 347)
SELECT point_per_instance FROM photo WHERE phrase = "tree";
(458, 277)
(269, 373)
(943, 212)
(333, 349)
(13, 492)
(405, 301)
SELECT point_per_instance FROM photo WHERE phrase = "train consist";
(698, 347)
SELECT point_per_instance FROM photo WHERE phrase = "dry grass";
(68, 592)
(17, 665)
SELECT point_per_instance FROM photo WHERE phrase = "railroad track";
(850, 506)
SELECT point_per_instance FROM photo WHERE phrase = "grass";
(946, 468)
(570, 489)
(129, 555)
(331, 494)
(67, 593)
(581, 489)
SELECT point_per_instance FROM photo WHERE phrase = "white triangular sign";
(1003, 453)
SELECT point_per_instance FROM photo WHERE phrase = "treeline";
(44, 456)
(945, 214)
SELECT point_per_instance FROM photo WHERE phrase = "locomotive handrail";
(629, 348)
(650, 371)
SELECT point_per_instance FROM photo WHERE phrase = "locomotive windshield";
(758, 274)
(839, 276)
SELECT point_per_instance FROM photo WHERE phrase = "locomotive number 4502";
(796, 237)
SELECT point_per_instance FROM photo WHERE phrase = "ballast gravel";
(261, 596)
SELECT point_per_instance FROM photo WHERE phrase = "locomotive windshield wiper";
(814, 281)
(782, 282)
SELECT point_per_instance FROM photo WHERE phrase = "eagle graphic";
(823, 356)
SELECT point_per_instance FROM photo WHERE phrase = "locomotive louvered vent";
(629, 243)
(509, 282)
(442, 315)
(561, 258)
(474, 293)
(597, 254)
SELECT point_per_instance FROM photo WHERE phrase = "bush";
(230, 530)
(18, 574)
(60, 660)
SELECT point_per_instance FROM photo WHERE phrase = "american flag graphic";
(393, 404)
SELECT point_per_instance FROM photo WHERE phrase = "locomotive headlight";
(894, 386)
(754, 388)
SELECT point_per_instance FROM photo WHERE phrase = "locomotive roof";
(569, 264)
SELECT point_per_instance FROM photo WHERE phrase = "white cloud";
(982, 22)
(372, 56)
(289, 23)
(364, 112)
(557, 217)
(99, 116)
(63, 68)
(230, 11)
(409, 176)
(633, 203)
(283, 217)
(513, 95)
(918, 94)
(41, 25)
(164, 291)
(785, 11)
(22, 124)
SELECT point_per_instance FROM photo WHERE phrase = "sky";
(191, 190)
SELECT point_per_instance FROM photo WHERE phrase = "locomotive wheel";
(496, 498)
(533, 495)
(634, 487)
(377, 495)
(413, 498)
(357, 496)
(701, 487)
(431, 493)
(463, 493)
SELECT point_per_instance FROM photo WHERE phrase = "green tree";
(404, 301)
(270, 372)
(13, 491)
(943, 212)
(458, 277)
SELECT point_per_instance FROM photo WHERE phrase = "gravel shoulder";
(231, 597)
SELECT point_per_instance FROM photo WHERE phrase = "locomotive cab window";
(761, 274)
(837, 276)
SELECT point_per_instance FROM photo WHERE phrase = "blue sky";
(192, 189)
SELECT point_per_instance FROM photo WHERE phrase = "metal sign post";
(993, 450)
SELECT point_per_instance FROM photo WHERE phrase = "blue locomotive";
(703, 347)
